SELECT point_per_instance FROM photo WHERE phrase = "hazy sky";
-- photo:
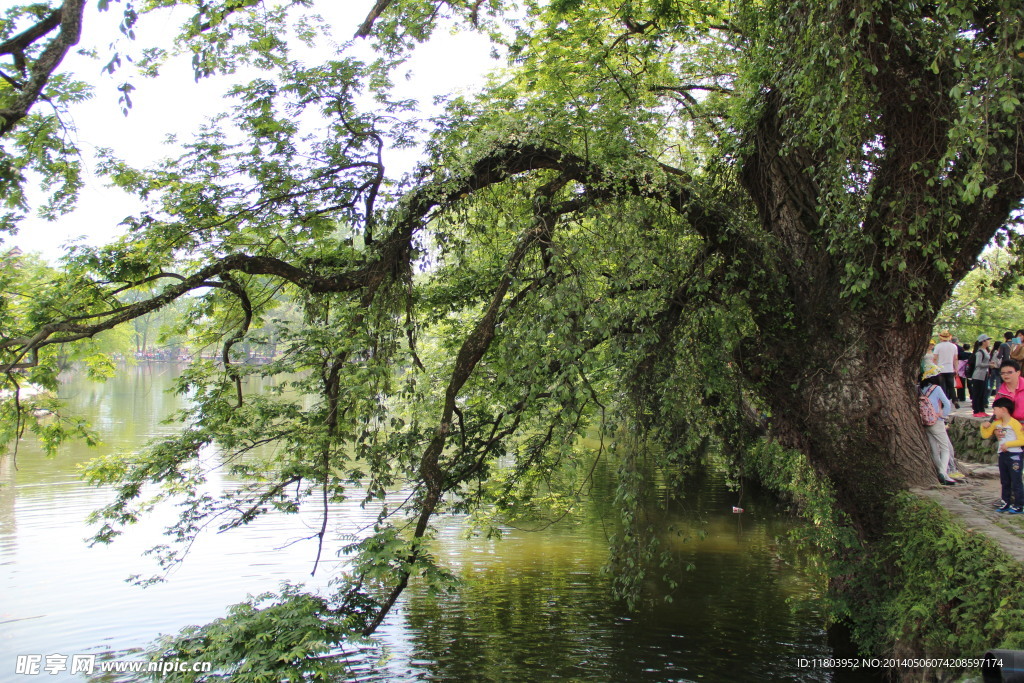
(175, 103)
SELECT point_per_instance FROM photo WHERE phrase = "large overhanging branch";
(501, 164)
(436, 480)
(17, 45)
(371, 18)
(438, 476)
(79, 327)
(390, 256)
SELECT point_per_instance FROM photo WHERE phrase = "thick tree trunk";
(852, 409)
(841, 383)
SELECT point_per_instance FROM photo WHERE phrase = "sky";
(175, 103)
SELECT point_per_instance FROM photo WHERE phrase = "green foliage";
(828, 535)
(385, 553)
(986, 301)
(41, 151)
(286, 636)
(663, 222)
(935, 587)
(930, 586)
(28, 401)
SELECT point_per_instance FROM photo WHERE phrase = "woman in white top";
(946, 353)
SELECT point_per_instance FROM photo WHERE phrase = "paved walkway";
(965, 408)
(971, 502)
(972, 499)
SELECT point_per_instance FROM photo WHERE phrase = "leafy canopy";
(650, 202)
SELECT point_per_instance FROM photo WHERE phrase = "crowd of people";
(949, 373)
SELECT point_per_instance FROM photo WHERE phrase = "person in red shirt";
(1012, 386)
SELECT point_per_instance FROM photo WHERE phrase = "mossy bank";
(929, 588)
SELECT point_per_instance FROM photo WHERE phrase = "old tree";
(709, 224)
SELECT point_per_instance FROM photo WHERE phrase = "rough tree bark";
(841, 380)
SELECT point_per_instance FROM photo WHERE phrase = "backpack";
(928, 414)
(1017, 352)
(971, 362)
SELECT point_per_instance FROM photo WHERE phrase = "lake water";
(533, 606)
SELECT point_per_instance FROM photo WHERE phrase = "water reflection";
(60, 596)
(533, 606)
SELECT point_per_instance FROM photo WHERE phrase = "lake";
(533, 606)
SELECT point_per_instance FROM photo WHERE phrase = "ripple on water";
(532, 607)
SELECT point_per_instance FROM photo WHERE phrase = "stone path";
(965, 409)
(971, 502)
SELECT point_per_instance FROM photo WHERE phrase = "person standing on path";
(962, 380)
(999, 354)
(1012, 387)
(946, 353)
(979, 378)
(938, 437)
(1011, 439)
(1017, 346)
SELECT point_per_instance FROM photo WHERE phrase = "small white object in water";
(736, 509)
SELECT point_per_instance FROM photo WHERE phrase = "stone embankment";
(966, 437)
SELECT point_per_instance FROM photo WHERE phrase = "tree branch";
(21, 42)
(367, 25)
(70, 20)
